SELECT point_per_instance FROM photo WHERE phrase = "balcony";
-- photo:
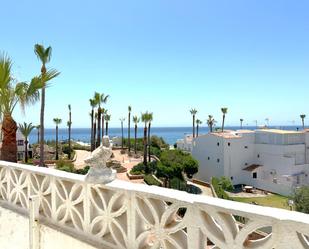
(122, 215)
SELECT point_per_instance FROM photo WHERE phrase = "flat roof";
(277, 131)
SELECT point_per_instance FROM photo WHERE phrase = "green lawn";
(273, 200)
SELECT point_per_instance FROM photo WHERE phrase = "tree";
(198, 123)
(210, 122)
(241, 121)
(190, 166)
(107, 119)
(38, 129)
(144, 119)
(104, 112)
(301, 199)
(92, 139)
(103, 100)
(12, 93)
(122, 139)
(44, 55)
(193, 113)
(303, 116)
(57, 121)
(100, 99)
(150, 118)
(69, 123)
(224, 112)
(136, 121)
(26, 129)
(129, 124)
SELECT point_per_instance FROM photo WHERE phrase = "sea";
(169, 134)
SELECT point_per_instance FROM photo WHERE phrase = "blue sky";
(165, 57)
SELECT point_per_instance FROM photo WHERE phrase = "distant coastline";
(169, 134)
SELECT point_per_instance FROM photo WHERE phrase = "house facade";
(269, 159)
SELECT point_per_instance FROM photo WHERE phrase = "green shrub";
(215, 182)
(301, 199)
(178, 184)
(83, 171)
(138, 169)
(150, 180)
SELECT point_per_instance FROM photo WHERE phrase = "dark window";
(208, 158)
(254, 175)
(229, 144)
(20, 142)
(246, 164)
(218, 160)
(218, 144)
(232, 178)
(246, 147)
(258, 155)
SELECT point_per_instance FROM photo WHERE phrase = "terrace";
(63, 210)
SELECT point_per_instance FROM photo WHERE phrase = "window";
(232, 178)
(208, 158)
(218, 160)
(258, 156)
(254, 175)
(218, 144)
(228, 144)
(246, 147)
(20, 142)
(246, 164)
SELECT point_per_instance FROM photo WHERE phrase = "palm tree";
(99, 99)
(150, 118)
(224, 112)
(107, 119)
(267, 122)
(103, 100)
(104, 112)
(69, 123)
(44, 55)
(241, 121)
(38, 128)
(93, 105)
(12, 93)
(26, 129)
(122, 120)
(198, 123)
(136, 121)
(210, 122)
(144, 119)
(129, 124)
(57, 121)
(303, 116)
(193, 113)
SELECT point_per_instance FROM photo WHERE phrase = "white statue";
(99, 172)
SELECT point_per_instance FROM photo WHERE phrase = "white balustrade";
(124, 215)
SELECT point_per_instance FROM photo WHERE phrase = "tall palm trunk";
(129, 124)
(122, 135)
(303, 122)
(149, 156)
(135, 135)
(197, 126)
(193, 126)
(145, 148)
(9, 146)
(106, 130)
(102, 124)
(38, 136)
(70, 123)
(42, 126)
(99, 128)
(57, 156)
(26, 150)
(223, 119)
(92, 131)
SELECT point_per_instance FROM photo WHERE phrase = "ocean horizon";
(169, 134)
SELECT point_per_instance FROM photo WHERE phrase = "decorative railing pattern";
(124, 215)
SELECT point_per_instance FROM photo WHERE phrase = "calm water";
(170, 134)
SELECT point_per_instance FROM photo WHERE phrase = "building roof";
(278, 131)
(252, 167)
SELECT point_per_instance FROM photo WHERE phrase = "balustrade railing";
(124, 215)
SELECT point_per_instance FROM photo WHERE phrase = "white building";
(185, 143)
(273, 160)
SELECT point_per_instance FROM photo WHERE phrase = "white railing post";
(34, 229)
(131, 219)
(195, 237)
